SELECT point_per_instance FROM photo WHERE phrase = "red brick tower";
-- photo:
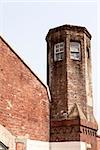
(69, 78)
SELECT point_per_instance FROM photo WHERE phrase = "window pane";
(59, 56)
(75, 55)
(57, 45)
(61, 49)
(74, 46)
(57, 50)
(61, 44)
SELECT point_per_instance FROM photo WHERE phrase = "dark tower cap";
(69, 27)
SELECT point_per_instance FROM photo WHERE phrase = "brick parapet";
(74, 130)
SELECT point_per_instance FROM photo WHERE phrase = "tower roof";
(69, 27)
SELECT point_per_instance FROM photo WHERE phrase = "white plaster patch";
(7, 138)
(9, 104)
(68, 146)
(37, 145)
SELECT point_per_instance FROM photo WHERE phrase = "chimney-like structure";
(69, 80)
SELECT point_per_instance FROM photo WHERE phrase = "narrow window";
(59, 51)
(88, 53)
(75, 50)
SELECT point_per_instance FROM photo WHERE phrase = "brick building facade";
(24, 113)
(28, 120)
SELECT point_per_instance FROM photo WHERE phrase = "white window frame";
(75, 50)
(59, 51)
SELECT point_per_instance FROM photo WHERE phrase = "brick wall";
(20, 146)
(65, 130)
(74, 130)
(57, 78)
(70, 80)
(24, 105)
(98, 143)
(76, 74)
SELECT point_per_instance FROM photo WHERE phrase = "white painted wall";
(37, 145)
(9, 140)
(68, 146)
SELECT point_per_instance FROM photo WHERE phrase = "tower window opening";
(59, 51)
(88, 53)
(75, 50)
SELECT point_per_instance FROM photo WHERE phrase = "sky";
(25, 24)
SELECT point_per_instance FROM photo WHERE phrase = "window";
(88, 53)
(2, 146)
(59, 51)
(75, 50)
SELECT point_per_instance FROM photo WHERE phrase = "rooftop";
(69, 27)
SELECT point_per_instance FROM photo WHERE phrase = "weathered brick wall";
(74, 130)
(76, 73)
(65, 130)
(57, 78)
(88, 133)
(70, 80)
(24, 105)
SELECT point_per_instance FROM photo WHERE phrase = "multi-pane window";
(59, 51)
(75, 50)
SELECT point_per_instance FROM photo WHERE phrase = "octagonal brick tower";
(69, 80)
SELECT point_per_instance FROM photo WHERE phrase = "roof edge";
(23, 62)
(69, 27)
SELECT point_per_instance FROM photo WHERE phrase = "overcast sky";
(24, 26)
